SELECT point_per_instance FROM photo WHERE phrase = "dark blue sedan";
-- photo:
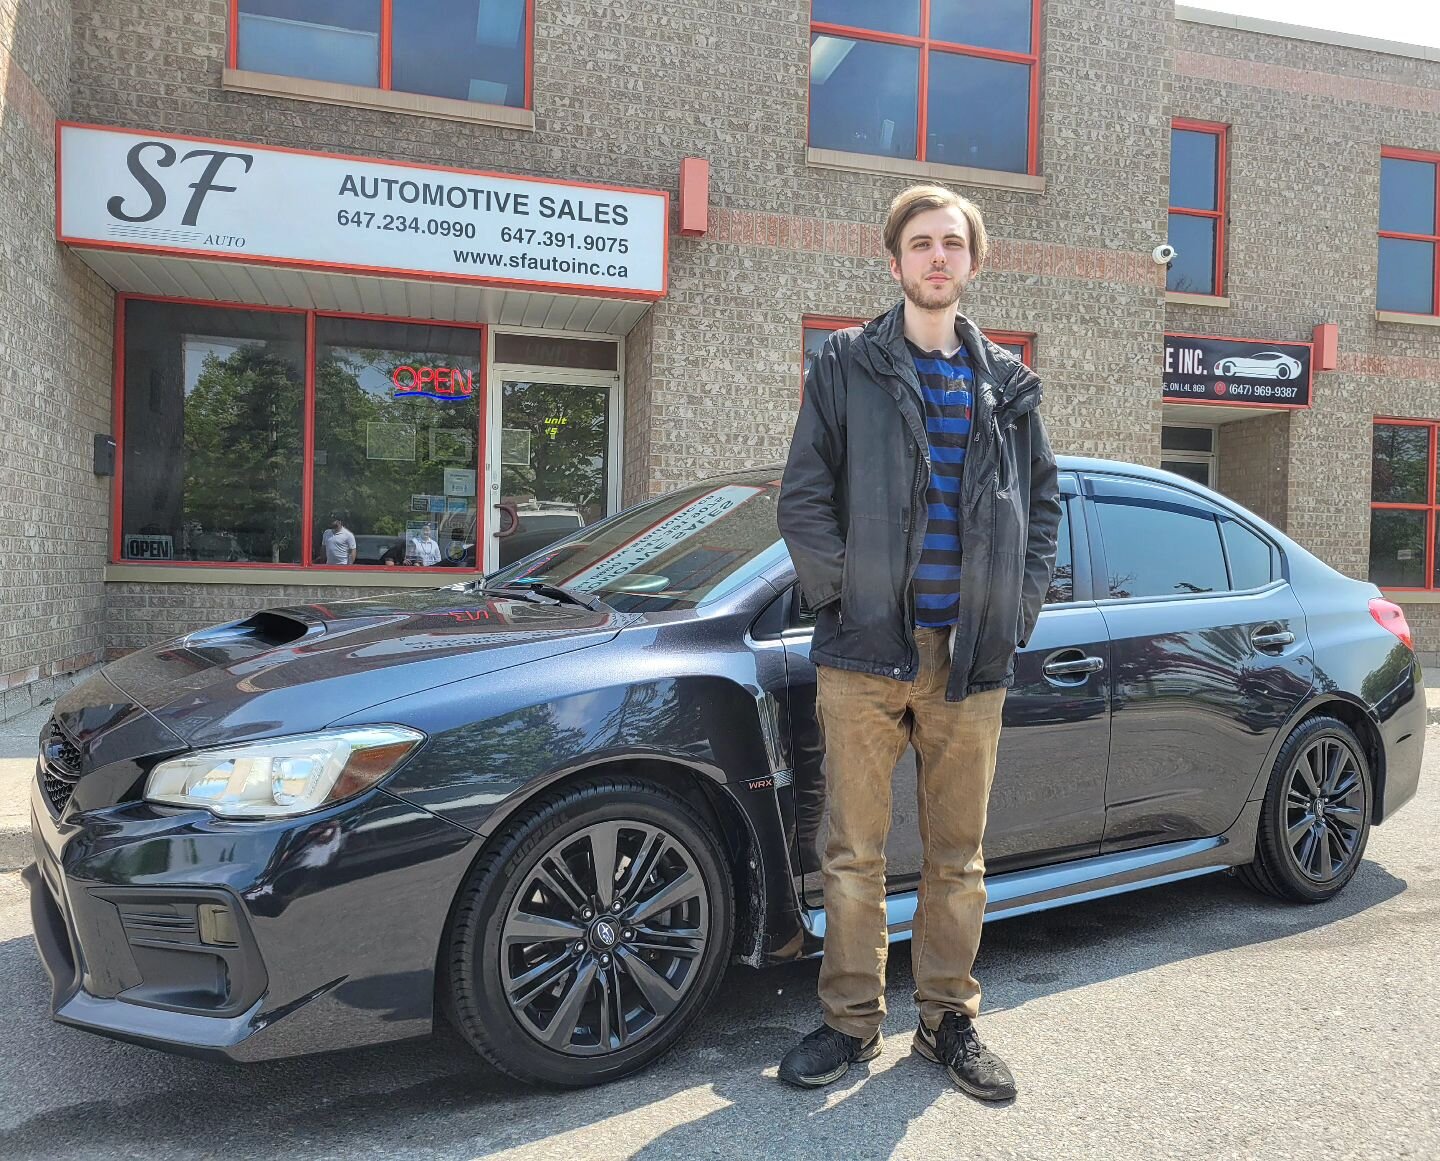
(556, 803)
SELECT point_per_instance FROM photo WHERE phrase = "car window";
(1251, 557)
(675, 552)
(1158, 541)
(1062, 584)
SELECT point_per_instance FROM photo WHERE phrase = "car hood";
(298, 668)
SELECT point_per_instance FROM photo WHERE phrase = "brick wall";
(1307, 121)
(55, 358)
(1253, 456)
(623, 93)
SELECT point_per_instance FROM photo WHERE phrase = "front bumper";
(317, 933)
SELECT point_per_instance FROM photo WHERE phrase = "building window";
(245, 431)
(903, 80)
(815, 330)
(1197, 208)
(467, 50)
(1402, 505)
(1409, 278)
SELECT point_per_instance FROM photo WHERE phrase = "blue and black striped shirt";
(945, 389)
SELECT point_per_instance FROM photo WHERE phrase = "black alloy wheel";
(1315, 819)
(592, 935)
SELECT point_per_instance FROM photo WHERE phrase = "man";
(920, 506)
(424, 550)
(339, 542)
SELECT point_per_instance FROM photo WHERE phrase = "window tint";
(1194, 164)
(396, 433)
(1251, 559)
(1192, 270)
(1062, 584)
(1397, 548)
(1408, 235)
(321, 40)
(873, 65)
(1156, 546)
(213, 401)
(998, 140)
(1400, 463)
(863, 96)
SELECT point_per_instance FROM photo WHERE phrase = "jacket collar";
(1009, 387)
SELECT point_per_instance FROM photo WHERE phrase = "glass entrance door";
(556, 455)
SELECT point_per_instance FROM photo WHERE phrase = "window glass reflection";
(1192, 270)
(1407, 196)
(213, 434)
(322, 40)
(1002, 24)
(898, 16)
(1159, 550)
(863, 96)
(1407, 276)
(1250, 556)
(396, 448)
(1194, 167)
(1397, 548)
(471, 51)
(1399, 463)
(998, 140)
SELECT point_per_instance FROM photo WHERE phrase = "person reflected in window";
(339, 542)
(423, 550)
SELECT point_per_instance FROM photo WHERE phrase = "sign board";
(194, 197)
(142, 546)
(1242, 372)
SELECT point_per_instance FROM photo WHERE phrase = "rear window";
(1155, 548)
(1252, 561)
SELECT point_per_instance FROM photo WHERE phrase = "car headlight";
(281, 777)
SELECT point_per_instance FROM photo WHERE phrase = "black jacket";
(853, 510)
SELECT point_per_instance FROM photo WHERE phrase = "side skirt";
(1023, 892)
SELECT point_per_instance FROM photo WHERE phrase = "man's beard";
(928, 297)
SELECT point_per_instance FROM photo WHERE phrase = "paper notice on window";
(459, 482)
(680, 525)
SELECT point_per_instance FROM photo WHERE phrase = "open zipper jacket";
(853, 512)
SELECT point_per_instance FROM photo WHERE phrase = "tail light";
(1391, 616)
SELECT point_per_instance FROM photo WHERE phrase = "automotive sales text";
(459, 197)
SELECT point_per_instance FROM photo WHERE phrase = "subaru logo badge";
(604, 934)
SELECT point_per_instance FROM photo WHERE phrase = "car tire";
(1304, 852)
(1282, 371)
(550, 997)
(1225, 367)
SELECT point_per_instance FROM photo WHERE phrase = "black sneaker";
(824, 1056)
(972, 1066)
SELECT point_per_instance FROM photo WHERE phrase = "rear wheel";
(1315, 820)
(592, 935)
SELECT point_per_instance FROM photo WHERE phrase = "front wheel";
(592, 935)
(1315, 819)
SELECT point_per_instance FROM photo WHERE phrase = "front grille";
(59, 767)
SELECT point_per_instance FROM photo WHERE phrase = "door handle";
(1273, 640)
(1074, 668)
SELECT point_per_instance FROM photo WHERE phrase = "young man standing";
(920, 507)
(339, 542)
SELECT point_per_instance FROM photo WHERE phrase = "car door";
(1209, 657)
(1048, 800)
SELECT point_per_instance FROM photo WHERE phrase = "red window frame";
(816, 322)
(1220, 214)
(928, 44)
(232, 55)
(1432, 159)
(1431, 507)
(307, 419)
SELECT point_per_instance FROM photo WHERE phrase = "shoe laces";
(965, 1040)
(828, 1035)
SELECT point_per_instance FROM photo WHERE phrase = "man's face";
(335, 526)
(935, 264)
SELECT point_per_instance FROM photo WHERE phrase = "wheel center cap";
(1320, 809)
(602, 935)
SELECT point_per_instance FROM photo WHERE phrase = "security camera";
(1163, 254)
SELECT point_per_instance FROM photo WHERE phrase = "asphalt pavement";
(1196, 1020)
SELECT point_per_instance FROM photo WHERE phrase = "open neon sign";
(444, 383)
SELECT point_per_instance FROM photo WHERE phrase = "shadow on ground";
(433, 1098)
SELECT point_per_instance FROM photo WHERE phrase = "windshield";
(678, 551)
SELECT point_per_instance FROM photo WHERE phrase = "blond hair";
(920, 198)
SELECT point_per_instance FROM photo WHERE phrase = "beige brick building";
(273, 362)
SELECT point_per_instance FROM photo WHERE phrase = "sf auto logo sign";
(212, 199)
(1208, 369)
